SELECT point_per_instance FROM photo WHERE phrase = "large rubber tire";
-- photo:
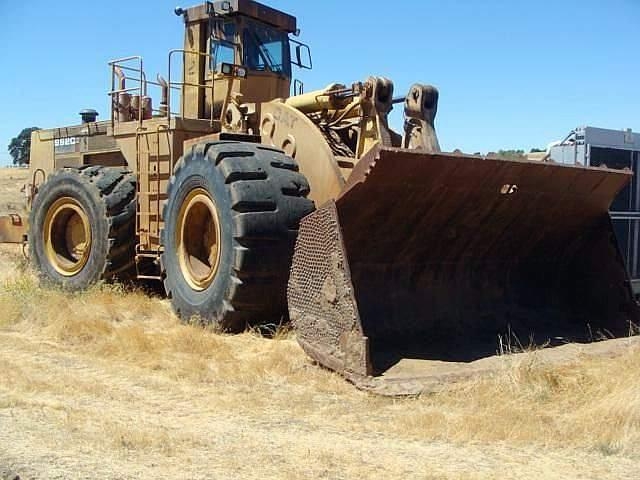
(259, 198)
(105, 197)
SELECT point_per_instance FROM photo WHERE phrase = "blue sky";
(511, 74)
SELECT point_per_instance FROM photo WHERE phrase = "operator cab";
(242, 33)
(265, 49)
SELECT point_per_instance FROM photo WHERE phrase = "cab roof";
(248, 8)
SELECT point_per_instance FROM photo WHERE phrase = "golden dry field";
(108, 384)
(11, 181)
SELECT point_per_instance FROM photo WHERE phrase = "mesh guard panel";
(322, 305)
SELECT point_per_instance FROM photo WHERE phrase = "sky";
(511, 74)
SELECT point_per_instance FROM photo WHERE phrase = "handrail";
(189, 84)
(135, 64)
(125, 59)
(141, 88)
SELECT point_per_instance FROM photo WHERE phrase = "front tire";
(231, 220)
(82, 226)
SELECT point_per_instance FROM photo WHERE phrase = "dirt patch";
(8, 474)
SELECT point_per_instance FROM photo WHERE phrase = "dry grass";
(131, 326)
(112, 374)
(11, 181)
(593, 404)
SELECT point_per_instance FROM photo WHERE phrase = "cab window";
(223, 48)
(266, 49)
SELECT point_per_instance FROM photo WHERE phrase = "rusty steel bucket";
(427, 259)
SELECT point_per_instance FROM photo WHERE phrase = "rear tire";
(231, 220)
(82, 226)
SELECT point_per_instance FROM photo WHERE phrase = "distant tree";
(512, 154)
(20, 146)
(537, 150)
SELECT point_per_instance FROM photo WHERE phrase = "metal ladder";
(150, 191)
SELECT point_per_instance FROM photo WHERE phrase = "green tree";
(20, 146)
(512, 154)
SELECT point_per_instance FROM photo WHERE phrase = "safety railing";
(180, 85)
(134, 102)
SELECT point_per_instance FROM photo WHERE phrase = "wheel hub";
(198, 239)
(67, 236)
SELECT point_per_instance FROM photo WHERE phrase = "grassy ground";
(109, 384)
(11, 181)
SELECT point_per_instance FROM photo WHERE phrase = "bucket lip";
(452, 373)
(366, 166)
(380, 150)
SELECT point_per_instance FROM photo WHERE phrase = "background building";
(616, 149)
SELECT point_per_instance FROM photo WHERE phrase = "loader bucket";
(428, 260)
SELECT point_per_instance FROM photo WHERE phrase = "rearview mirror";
(302, 56)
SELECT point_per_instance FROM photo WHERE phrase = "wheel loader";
(252, 204)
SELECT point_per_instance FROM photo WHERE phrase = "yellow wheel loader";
(404, 255)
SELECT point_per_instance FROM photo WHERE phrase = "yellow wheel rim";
(67, 236)
(198, 239)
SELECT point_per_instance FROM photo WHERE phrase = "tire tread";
(267, 199)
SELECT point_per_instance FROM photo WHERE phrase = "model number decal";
(65, 142)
